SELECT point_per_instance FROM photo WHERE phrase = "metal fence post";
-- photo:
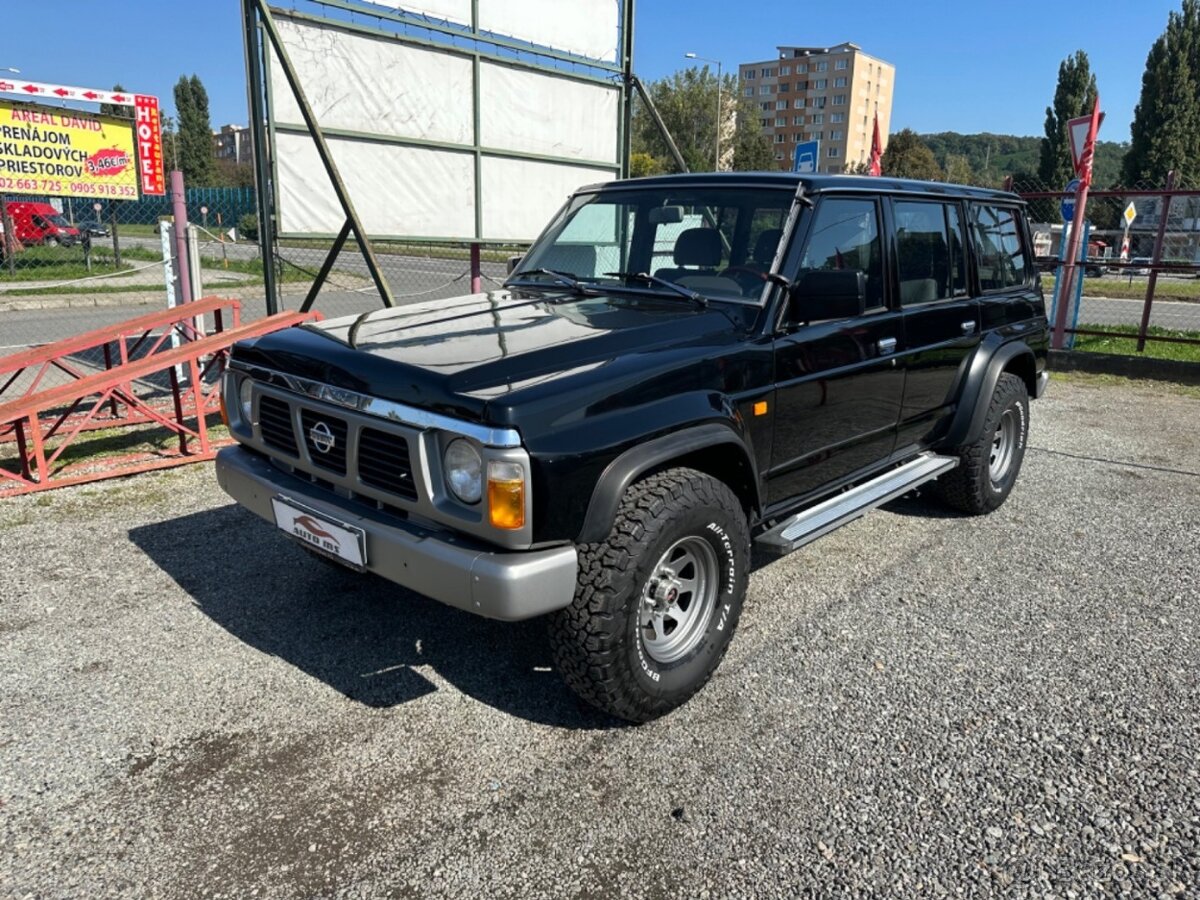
(1152, 280)
(476, 270)
(9, 238)
(182, 258)
(112, 208)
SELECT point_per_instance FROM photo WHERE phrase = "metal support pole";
(326, 267)
(264, 189)
(112, 218)
(717, 156)
(323, 151)
(9, 238)
(659, 123)
(182, 259)
(1070, 269)
(627, 87)
(476, 270)
(1152, 281)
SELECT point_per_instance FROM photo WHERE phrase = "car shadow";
(922, 504)
(364, 637)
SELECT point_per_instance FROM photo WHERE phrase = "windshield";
(719, 242)
(58, 220)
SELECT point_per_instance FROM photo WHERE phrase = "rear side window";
(930, 252)
(1002, 259)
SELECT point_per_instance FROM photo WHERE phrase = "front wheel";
(988, 468)
(656, 603)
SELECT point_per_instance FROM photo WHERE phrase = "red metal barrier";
(36, 416)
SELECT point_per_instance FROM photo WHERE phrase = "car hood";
(458, 356)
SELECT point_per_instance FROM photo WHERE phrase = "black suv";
(678, 367)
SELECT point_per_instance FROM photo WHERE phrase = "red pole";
(182, 259)
(476, 270)
(1066, 289)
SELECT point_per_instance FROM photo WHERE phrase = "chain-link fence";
(71, 266)
(1141, 286)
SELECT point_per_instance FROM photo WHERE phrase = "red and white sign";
(1077, 130)
(148, 132)
(147, 122)
(62, 92)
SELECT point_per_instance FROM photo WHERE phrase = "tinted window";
(845, 236)
(1002, 262)
(930, 252)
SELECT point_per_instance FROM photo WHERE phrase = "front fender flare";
(626, 468)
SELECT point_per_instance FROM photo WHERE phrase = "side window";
(930, 252)
(845, 236)
(1002, 259)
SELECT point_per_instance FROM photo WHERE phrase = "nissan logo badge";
(322, 438)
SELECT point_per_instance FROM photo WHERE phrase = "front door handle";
(968, 327)
(887, 345)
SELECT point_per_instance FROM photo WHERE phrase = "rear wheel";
(656, 603)
(988, 468)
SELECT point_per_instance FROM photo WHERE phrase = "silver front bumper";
(460, 572)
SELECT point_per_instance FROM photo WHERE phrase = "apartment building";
(232, 143)
(829, 94)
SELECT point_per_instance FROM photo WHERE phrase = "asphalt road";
(916, 705)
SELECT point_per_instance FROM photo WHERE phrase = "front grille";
(383, 463)
(333, 458)
(275, 422)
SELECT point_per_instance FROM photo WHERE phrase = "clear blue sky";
(963, 66)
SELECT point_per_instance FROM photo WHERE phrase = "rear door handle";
(968, 327)
(887, 345)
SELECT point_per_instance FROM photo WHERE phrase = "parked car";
(1140, 265)
(93, 229)
(40, 223)
(679, 369)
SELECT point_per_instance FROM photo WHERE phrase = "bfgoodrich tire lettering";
(988, 468)
(603, 645)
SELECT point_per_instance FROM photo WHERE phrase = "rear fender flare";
(986, 368)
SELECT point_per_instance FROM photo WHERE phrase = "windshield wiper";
(566, 278)
(697, 298)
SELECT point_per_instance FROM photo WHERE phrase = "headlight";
(464, 470)
(244, 399)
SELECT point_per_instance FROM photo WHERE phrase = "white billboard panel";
(583, 27)
(546, 115)
(586, 28)
(397, 190)
(374, 85)
(520, 195)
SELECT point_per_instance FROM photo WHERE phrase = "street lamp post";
(717, 63)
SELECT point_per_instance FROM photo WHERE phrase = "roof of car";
(814, 184)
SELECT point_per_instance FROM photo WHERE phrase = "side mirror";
(513, 262)
(836, 294)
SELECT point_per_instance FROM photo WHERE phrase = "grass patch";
(57, 264)
(1099, 380)
(1124, 289)
(1127, 346)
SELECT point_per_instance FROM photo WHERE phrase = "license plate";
(316, 530)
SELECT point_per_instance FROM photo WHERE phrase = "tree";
(116, 109)
(687, 103)
(1074, 96)
(1166, 122)
(194, 136)
(907, 156)
(958, 170)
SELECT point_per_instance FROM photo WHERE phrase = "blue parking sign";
(804, 160)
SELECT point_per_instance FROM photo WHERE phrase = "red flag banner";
(876, 165)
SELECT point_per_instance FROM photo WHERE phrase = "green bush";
(247, 227)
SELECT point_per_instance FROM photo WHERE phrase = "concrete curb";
(1125, 366)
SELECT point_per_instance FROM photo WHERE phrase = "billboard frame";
(264, 46)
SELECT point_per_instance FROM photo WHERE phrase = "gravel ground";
(918, 704)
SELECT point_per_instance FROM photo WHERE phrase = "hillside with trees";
(993, 157)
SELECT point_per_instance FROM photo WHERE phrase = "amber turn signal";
(760, 408)
(506, 495)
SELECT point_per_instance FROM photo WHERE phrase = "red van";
(41, 223)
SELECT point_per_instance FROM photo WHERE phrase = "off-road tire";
(969, 486)
(597, 639)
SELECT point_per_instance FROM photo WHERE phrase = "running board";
(810, 524)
